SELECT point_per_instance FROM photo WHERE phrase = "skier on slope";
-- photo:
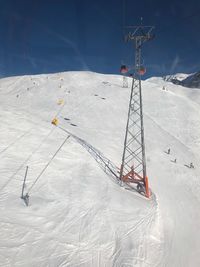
(191, 165)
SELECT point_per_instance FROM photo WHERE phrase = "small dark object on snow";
(191, 165)
(73, 124)
(103, 98)
(95, 95)
(168, 151)
(17, 95)
(26, 199)
(66, 119)
(140, 188)
(174, 160)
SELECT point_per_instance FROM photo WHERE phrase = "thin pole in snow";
(25, 197)
(24, 183)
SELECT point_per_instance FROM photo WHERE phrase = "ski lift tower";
(133, 167)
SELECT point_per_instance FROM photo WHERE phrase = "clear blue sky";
(42, 36)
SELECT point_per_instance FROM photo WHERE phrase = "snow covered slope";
(79, 216)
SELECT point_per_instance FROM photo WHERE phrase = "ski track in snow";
(77, 215)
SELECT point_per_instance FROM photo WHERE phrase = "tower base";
(142, 183)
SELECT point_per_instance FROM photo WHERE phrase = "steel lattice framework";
(133, 167)
(106, 165)
(125, 82)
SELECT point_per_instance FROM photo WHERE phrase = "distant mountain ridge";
(187, 80)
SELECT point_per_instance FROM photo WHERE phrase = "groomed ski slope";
(79, 216)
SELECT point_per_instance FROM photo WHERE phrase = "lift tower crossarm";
(142, 32)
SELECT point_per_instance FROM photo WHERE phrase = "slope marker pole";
(26, 196)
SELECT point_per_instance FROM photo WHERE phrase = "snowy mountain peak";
(177, 76)
(186, 80)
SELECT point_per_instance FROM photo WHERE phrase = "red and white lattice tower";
(133, 167)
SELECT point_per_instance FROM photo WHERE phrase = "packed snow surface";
(78, 215)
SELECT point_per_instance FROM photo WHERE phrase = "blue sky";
(42, 36)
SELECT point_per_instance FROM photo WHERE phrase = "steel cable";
(49, 162)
